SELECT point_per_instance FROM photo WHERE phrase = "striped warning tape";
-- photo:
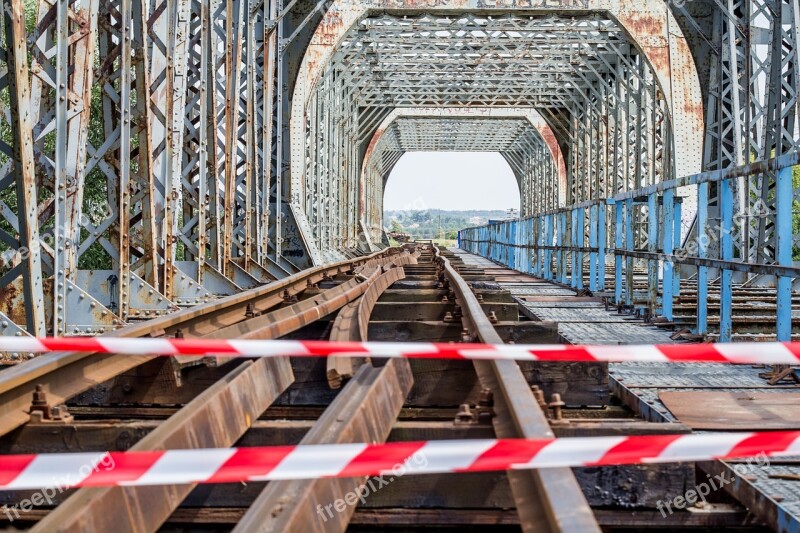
(226, 465)
(744, 352)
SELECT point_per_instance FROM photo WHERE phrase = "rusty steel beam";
(234, 402)
(352, 321)
(215, 419)
(549, 499)
(283, 321)
(67, 374)
(364, 411)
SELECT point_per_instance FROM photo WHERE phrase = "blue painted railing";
(558, 245)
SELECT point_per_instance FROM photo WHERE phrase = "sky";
(452, 181)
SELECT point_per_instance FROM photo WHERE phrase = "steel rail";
(364, 411)
(547, 500)
(67, 374)
(351, 323)
(216, 418)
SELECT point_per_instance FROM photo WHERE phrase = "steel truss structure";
(743, 231)
(233, 142)
(521, 136)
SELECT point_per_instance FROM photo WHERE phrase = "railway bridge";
(215, 169)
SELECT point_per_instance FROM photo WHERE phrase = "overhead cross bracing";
(601, 96)
(521, 136)
(140, 184)
(204, 193)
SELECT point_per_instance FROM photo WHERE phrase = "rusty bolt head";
(464, 415)
(556, 404)
(538, 395)
(486, 398)
(39, 403)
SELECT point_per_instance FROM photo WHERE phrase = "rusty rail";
(216, 418)
(352, 321)
(67, 374)
(364, 411)
(547, 500)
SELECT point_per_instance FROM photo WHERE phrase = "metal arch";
(372, 76)
(382, 153)
(650, 25)
(337, 62)
(531, 115)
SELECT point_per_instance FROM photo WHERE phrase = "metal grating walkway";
(638, 385)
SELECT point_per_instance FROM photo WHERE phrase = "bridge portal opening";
(432, 194)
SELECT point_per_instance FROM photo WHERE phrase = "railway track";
(417, 293)
(366, 409)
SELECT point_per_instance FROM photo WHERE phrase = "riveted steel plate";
(731, 411)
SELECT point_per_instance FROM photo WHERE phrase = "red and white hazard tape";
(749, 353)
(226, 465)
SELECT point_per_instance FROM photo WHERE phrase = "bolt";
(448, 317)
(40, 402)
(250, 311)
(464, 415)
(465, 335)
(556, 404)
(492, 317)
(538, 395)
(178, 333)
(486, 398)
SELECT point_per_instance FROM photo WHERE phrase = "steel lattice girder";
(520, 135)
(570, 68)
(98, 117)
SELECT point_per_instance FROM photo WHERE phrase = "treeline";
(437, 223)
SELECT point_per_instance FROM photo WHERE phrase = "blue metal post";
(726, 252)
(581, 232)
(601, 245)
(652, 247)
(575, 255)
(618, 236)
(564, 255)
(668, 282)
(676, 239)
(702, 252)
(551, 240)
(629, 245)
(540, 253)
(548, 253)
(561, 259)
(783, 225)
(593, 255)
